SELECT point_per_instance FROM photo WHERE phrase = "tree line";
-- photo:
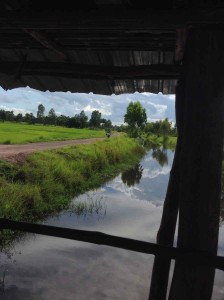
(80, 120)
(135, 118)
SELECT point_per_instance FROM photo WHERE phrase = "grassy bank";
(48, 180)
(22, 133)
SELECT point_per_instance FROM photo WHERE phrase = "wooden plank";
(57, 69)
(165, 236)
(136, 21)
(48, 43)
(93, 237)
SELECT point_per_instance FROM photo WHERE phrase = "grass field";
(48, 180)
(22, 133)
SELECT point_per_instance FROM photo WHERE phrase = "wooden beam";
(93, 237)
(155, 71)
(127, 20)
(46, 42)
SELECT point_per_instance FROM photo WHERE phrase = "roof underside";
(104, 49)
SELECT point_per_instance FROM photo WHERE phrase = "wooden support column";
(165, 236)
(200, 160)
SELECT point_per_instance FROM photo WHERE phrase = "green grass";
(48, 180)
(22, 133)
(154, 140)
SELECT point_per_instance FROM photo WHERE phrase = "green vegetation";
(22, 133)
(89, 207)
(151, 134)
(167, 142)
(48, 180)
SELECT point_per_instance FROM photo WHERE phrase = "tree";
(51, 113)
(108, 124)
(29, 118)
(62, 120)
(166, 127)
(95, 119)
(135, 116)
(18, 117)
(83, 119)
(52, 116)
(40, 111)
(2, 115)
(78, 121)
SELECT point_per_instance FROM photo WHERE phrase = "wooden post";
(200, 160)
(165, 236)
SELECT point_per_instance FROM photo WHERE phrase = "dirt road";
(17, 153)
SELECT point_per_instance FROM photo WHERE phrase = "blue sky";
(22, 100)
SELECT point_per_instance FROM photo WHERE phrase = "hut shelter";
(127, 46)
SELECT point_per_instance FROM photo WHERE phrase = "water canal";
(40, 267)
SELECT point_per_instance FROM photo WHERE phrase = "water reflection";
(130, 205)
(133, 175)
(160, 154)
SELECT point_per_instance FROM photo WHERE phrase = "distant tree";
(148, 128)
(40, 112)
(26, 118)
(62, 120)
(78, 121)
(2, 115)
(9, 115)
(95, 119)
(51, 113)
(165, 127)
(29, 118)
(156, 127)
(174, 130)
(135, 116)
(18, 117)
(51, 118)
(108, 124)
(83, 119)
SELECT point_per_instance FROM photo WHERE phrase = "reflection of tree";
(133, 175)
(160, 155)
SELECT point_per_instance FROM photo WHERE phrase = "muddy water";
(39, 267)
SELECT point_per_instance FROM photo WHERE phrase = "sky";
(23, 100)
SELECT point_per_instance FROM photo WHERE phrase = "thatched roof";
(104, 47)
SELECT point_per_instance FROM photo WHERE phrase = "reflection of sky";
(52, 268)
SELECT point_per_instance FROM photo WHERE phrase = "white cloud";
(153, 173)
(158, 106)
(15, 110)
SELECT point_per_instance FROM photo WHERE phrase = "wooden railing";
(182, 255)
